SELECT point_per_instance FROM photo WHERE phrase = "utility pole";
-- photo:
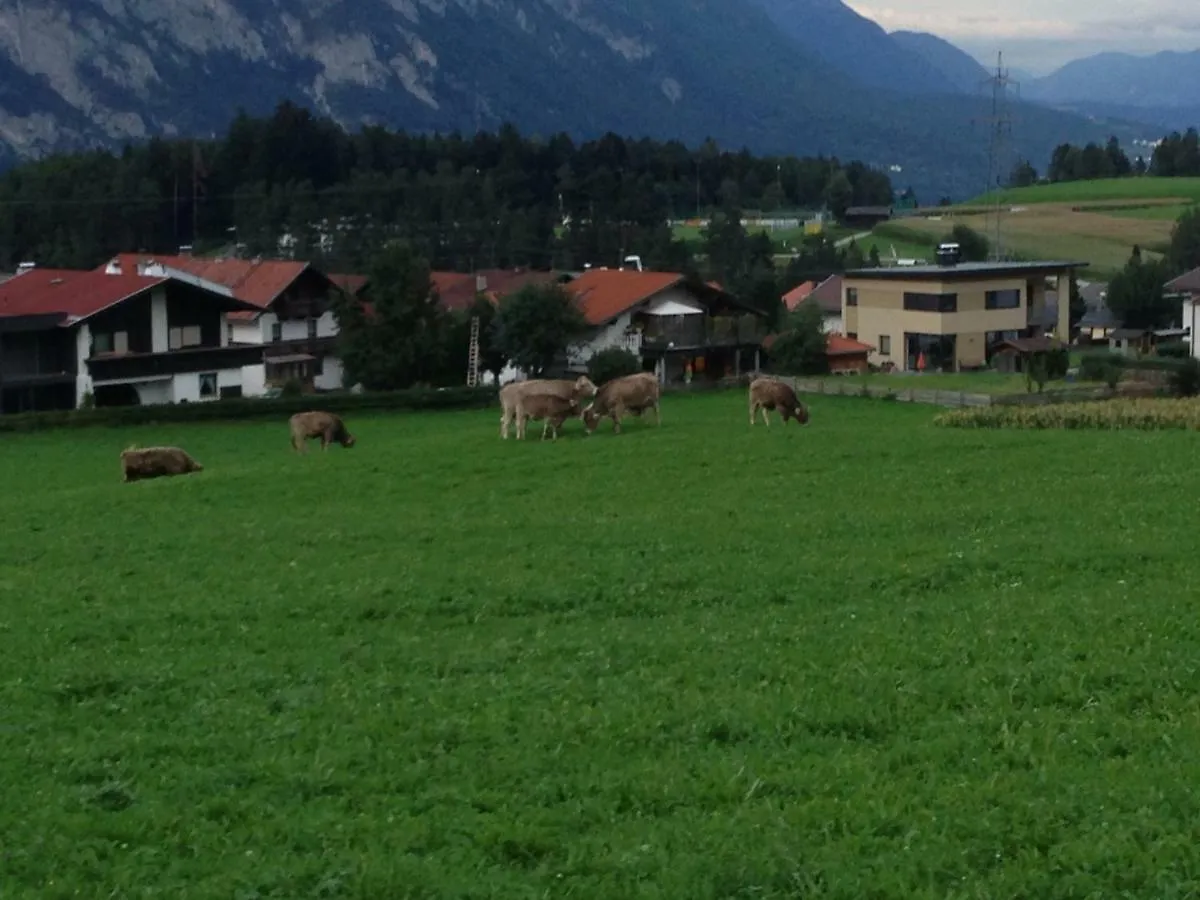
(473, 354)
(1000, 161)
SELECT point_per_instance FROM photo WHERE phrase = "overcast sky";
(1040, 35)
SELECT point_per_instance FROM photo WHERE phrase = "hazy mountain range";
(776, 76)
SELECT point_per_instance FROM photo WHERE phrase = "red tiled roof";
(840, 345)
(457, 290)
(1188, 282)
(603, 294)
(351, 284)
(257, 281)
(835, 345)
(64, 291)
(793, 297)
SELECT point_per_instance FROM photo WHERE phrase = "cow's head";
(801, 414)
(348, 440)
(584, 387)
(590, 420)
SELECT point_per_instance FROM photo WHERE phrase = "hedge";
(250, 408)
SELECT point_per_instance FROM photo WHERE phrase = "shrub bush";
(1102, 366)
(1174, 350)
(612, 363)
(254, 408)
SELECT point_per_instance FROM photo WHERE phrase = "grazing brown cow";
(551, 409)
(512, 392)
(771, 393)
(326, 426)
(139, 463)
(630, 393)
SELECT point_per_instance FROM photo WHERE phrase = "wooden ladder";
(473, 354)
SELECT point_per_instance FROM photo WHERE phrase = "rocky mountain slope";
(963, 72)
(85, 72)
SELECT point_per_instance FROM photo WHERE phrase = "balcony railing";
(149, 365)
(704, 331)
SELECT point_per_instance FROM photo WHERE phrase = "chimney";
(185, 249)
(480, 283)
(113, 267)
(24, 267)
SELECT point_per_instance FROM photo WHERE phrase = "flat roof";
(966, 270)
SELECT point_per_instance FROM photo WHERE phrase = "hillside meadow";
(867, 658)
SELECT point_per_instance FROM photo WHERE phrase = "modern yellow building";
(949, 316)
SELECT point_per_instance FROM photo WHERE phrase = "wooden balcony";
(702, 332)
(149, 365)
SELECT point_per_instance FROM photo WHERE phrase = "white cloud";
(1044, 33)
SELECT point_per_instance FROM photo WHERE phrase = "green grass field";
(869, 658)
(1145, 188)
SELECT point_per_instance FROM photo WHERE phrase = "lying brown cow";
(141, 463)
(551, 409)
(771, 393)
(630, 393)
(326, 426)
(511, 393)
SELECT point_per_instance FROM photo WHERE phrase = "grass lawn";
(1169, 212)
(1059, 231)
(1144, 188)
(867, 658)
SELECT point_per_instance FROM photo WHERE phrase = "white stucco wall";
(331, 376)
(186, 386)
(1190, 318)
(254, 380)
(833, 325)
(83, 380)
(244, 332)
(609, 336)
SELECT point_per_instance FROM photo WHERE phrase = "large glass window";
(939, 303)
(1009, 299)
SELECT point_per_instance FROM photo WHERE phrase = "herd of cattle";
(550, 401)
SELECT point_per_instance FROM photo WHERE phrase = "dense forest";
(489, 199)
(1176, 155)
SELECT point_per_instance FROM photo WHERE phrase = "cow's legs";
(657, 414)
(766, 418)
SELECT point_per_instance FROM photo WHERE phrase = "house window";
(319, 366)
(938, 303)
(312, 328)
(277, 332)
(231, 392)
(102, 343)
(852, 296)
(1010, 299)
(229, 332)
(208, 384)
(885, 345)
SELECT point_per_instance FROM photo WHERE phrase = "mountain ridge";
(99, 72)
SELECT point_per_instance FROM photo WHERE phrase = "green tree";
(800, 347)
(839, 194)
(873, 257)
(1136, 296)
(400, 342)
(611, 363)
(1184, 252)
(853, 258)
(1023, 174)
(536, 325)
(972, 245)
